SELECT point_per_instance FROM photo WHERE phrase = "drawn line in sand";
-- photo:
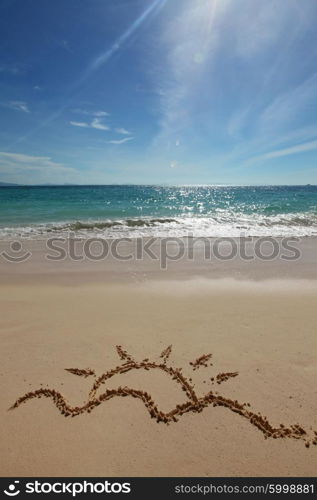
(193, 404)
(201, 361)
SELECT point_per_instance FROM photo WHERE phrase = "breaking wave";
(221, 225)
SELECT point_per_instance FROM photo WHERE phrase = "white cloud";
(28, 161)
(79, 124)
(17, 167)
(122, 131)
(96, 123)
(98, 113)
(120, 141)
(300, 148)
(19, 106)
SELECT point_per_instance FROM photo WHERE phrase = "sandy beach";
(158, 246)
(259, 326)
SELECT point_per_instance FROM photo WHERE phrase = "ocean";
(136, 211)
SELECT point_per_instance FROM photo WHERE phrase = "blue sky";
(158, 91)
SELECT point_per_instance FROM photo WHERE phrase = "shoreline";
(88, 261)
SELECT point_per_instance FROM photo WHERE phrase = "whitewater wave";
(220, 225)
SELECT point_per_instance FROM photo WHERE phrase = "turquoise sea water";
(116, 211)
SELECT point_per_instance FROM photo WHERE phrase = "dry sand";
(264, 330)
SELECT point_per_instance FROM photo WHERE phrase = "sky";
(158, 91)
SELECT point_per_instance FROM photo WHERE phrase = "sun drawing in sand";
(193, 404)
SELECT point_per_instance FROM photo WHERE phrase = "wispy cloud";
(18, 106)
(120, 141)
(95, 123)
(122, 131)
(189, 42)
(287, 106)
(98, 113)
(122, 39)
(18, 167)
(79, 124)
(237, 121)
(300, 148)
(193, 67)
(269, 20)
(98, 124)
(26, 161)
(102, 59)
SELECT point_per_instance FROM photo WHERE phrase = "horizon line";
(13, 184)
